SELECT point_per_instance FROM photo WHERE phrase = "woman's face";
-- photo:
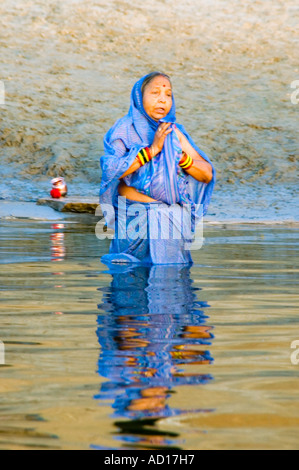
(157, 98)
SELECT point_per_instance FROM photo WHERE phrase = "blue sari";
(182, 201)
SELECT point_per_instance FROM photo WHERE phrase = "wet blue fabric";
(162, 236)
(161, 178)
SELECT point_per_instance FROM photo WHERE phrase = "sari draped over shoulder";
(162, 179)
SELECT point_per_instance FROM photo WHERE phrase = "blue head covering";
(161, 178)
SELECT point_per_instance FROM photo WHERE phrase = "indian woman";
(152, 167)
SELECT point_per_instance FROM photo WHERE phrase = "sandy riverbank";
(68, 68)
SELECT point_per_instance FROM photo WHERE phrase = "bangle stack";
(144, 156)
(186, 161)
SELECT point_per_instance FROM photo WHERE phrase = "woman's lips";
(160, 110)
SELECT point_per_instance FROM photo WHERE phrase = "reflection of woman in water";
(153, 326)
(150, 160)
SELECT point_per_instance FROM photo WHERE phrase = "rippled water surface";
(100, 357)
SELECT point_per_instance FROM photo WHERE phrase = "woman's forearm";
(145, 155)
(201, 170)
(135, 165)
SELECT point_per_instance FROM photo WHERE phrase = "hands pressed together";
(162, 132)
(191, 161)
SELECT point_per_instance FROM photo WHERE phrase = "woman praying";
(151, 167)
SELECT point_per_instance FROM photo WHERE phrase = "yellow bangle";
(144, 156)
(186, 161)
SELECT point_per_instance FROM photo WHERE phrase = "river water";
(148, 358)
